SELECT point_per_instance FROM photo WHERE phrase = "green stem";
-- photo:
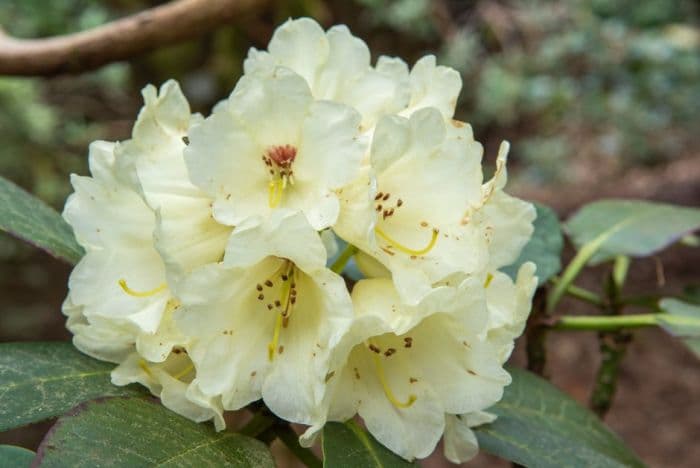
(604, 322)
(613, 344)
(291, 440)
(344, 258)
(581, 293)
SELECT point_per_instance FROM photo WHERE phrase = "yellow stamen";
(150, 292)
(183, 372)
(275, 190)
(144, 366)
(489, 278)
(272, 346)
(403, 248)
(387, 390)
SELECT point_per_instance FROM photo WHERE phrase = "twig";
(613, 345)
(120, 39)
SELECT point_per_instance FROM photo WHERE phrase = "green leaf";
(15, 457)
(42, 380)
(30, 219)
(139, 432)
(540, 426)
(348, 445)
(630, 227)
(681, 319)
(544, 248)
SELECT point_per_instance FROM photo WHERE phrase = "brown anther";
(258, 287)
(386, 197)
(268, 283)
(285, 322)
(389, 352)
(374, 348)
(285, 277)
(412, 380)
(399, 202)
(278, 303)
(378, 196)
(357, 373)
(293, 300)
(280, 350)
(329, 376)
(424, 224)
(408, 342)
(379, 208)
(269, 307)
(283, 155)
(471, 372)
(261, 297)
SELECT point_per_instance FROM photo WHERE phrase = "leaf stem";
(344, 258)
(604, 323)
(582, 294)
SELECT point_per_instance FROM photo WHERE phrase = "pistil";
(132, 292)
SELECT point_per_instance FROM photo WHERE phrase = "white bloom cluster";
(205, 276)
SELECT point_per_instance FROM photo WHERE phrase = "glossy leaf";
(544, 248)
(139, 432)
(15, 457)
(43, 380)
(349, 445)
(681, 319)
(540, 426)
(25, 216)
(630, 227)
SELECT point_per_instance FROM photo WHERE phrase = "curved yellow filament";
(183, 372)
(275, 188)
(403, 248)
(272, 346)
(150, 292)
(489, 278)
(387, 390)
(144, 367)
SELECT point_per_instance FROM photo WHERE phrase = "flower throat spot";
(278, 160)
(379, 368)
(134, 293)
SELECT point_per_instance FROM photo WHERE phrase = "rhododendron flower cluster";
(206, 276)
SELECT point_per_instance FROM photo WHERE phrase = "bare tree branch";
(120, 39)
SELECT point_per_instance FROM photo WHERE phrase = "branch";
(120, 39)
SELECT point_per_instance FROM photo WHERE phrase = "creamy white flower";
(408, 210)
(120, 306)
(508, 306)
(264, 322)
(336, 66)
(186, 234)
(505, 220)
(410, 365)
(272, 146)
(118, 288)
(171, 381)
(460, 442)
